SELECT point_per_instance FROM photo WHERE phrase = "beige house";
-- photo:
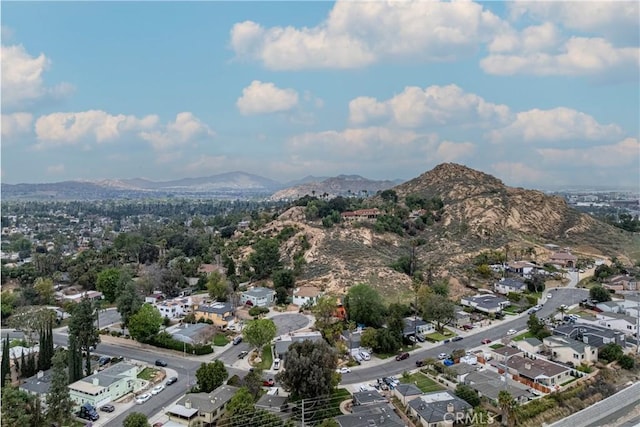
(105, 386)
(220, 313)
(564, 259)
(306, 295)
(567, 350)
(196, 409)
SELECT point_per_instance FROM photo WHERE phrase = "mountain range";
(235, 185)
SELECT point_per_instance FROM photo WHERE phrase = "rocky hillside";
(479, 213)
(342, 185)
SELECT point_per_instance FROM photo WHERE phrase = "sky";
(538, 94)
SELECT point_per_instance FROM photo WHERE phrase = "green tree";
(284, 279)
(599, 294)
(145, 323)
(386, 341)
(265, 258)
(83, 328)
(438, 309)
(310, 369)
(211, 376)
(534, 324)
(239, 410)
(6, 363)
(281, 295)
(128, 303)
(217, 286)
(136, 419)
(20, 409)
(44, 287)
(441, 287)
(109, 282)
(324, 311)
(508, 406)
(369, 338)
(58, 401)
(468, 394)
(8, 301)
(75, 360)
(395, 319)
(259, 332)
(253, 382)
(610, 352)
(364, 306)
(626, 362)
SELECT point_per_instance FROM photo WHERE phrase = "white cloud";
(16, 124)
(186, 128)
(623, 153)
(435, 105)
(577, 56)
(260, 98)
(518, 173)
(615, 19)
(453, 151)
(535, 39)
(206, 165)
(356, 34)
(22, 82)
(552, 125)
(72, 128)
(55, 169)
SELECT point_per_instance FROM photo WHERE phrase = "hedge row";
(164, 340)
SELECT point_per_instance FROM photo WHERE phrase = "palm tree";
(508, 406)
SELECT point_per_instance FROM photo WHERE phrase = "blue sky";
(538, 94)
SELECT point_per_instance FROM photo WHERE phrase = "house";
(15, 357)
(306, 295)
(360, 215)
(522, 268)
(564, 259)
(435, 409)
(595, 336)
(196, 333)
(406, 392)
(540, 371)
(283, 342)
(258, 297)
(105, 386)
(413, 326)
(352, 339)
(486, 303)
(489, 384)
(509, 285)
(369, 397)
(220, 313)
(530, 346)
(155, 297)
(623, 282)
(38, 385)
(273, 403)
(90, 295)
(503, 353)
(174, 308)
(570, 351)
(375, 415)
(616, 321)
(461, 370)
(196, 409)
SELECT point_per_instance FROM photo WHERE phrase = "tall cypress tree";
(6, 364)
(75, 360)
(23, 365)
(42, 350)
(58, 401)
(31, 364)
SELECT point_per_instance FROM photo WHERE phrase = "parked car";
(276, 364)
(344, 370)
(443, 356)
(237, 340)
(512, 332)
(161, 363)
(107, 408)
(402, 356)
(365, 355)
(420, 363)
(467, 327)
(458, 338)
(88, 412)
(157, 389)
(268, 383)
(412, 338)
(243, 354)
(420, 337)
(485, 341)
(172, 380)
(104, 360)
(143, 398)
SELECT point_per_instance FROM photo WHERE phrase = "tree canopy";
(365, 306)
(136, 419)
(599, 294)
(438, 309)
(211, 376)
(310, 369)
(82, 327)
(145, 323)
(259, 332)
(265, 258)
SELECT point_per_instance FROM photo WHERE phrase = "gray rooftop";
(217, 308)
(533, 341)
(259, 292)
(272, 403)
(110, 375)
(512, 283)
(558, 341)
(191, 331)
(35, 385)
(489, 384)
(381, 414)
(208, 402)
(408, 390)
(368, 397)
(432, 407)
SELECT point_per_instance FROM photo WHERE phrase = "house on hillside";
(306, 295)
(522, 268)
(258, 297)
(570, 351)
(564, 259)
(220, 313)
(623, 282)
(360, 215)
(508, 285)
(596, 336)
(486, 303)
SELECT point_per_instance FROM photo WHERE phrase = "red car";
(268, 383)
(485, 341)
(402, 356)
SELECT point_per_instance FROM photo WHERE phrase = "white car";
(443, 356)
(157, 389)
(344, 370)
(276, 364)
(365, 355)
(512, 332)
(549, 295)
(143, 398)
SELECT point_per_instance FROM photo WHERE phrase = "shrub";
(164, 340)
(257, 311)
(626, 362)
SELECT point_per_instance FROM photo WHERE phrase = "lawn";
(220, 340)
(496, 346)
(423, 382)
(267, 359)
(436, 336)
(147, 374)
(523, 336)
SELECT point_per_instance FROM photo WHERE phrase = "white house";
(306, 295)
(509, 285)
(174, 308)
(105, 386)
(486, 303)
(258, 297)
(568, 350)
